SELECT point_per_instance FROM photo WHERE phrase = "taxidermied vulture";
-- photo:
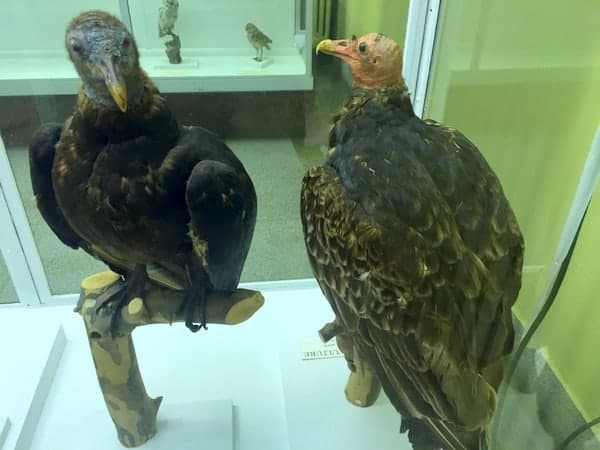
(417, 250)
(122, 180)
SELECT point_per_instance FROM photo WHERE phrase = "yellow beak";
(118, 92)
(115, 83)
(326, 46)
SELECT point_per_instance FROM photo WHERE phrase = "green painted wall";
(382, 16)
(571, 330)
(522, 80)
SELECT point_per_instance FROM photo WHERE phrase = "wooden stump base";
(131, 409)
(363, 387)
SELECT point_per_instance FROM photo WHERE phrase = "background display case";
(216, 55)
(522, 81)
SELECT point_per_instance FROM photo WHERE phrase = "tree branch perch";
(131, 409)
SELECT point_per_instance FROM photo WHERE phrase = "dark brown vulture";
(122, 180)
(417, 250)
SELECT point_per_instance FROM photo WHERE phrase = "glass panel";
(527, 96)
(34, 70)
(270, 113)
(212, 59)
(64, 267)
(520, 79)
(7, 289)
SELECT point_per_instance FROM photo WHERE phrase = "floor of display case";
(280, 399)
(260, 379)
(211, 70)
(32, 361)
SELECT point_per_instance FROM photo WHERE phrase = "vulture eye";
(77, 48)
(126, 43)
(353, 37)
(362, 47)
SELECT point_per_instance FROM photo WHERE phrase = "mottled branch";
(131, 409)
(363, 387)
(159, 305)
(330, 330)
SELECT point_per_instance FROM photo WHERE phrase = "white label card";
(317, 349)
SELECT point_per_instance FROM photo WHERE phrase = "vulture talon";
(116, 303)
(132, 288)
(189, 305)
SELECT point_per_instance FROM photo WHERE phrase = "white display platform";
(319, 416)
(180, 425)
(208, 424)
(207, 70)
(30, 349)
(281, 399)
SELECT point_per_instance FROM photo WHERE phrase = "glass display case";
(215, 52)
(521, 81)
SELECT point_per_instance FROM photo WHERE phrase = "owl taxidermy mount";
(167, 16)
(258, 40)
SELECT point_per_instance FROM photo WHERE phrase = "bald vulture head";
(106, 58)
(375, 59)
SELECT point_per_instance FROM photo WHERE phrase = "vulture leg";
(132, 288)
(220, 228)
(195, 297)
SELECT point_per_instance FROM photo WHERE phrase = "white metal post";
(11, 246)
(125, 14)
(419, 45)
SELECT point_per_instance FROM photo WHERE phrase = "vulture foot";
(193, 301)
(132, 288)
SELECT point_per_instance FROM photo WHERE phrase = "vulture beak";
(115, 82)
(342, 48)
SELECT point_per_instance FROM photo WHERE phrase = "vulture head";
(106, 58)
(375, 60)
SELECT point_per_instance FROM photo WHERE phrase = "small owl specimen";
(167, 16)
(258, 40)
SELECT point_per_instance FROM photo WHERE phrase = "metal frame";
(298, 23)
(125, 14)
(16, 241)
(419, 45)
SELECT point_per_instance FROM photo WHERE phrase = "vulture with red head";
(415, 246)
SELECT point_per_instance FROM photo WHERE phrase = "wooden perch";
(363, 387)
(131, 409)
(330, 330)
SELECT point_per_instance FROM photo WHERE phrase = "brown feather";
(425, 217)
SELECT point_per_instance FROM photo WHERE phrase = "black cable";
(537, 321)
(577, 432)
(541, 315)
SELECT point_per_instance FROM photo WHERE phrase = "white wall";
(41, 24)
